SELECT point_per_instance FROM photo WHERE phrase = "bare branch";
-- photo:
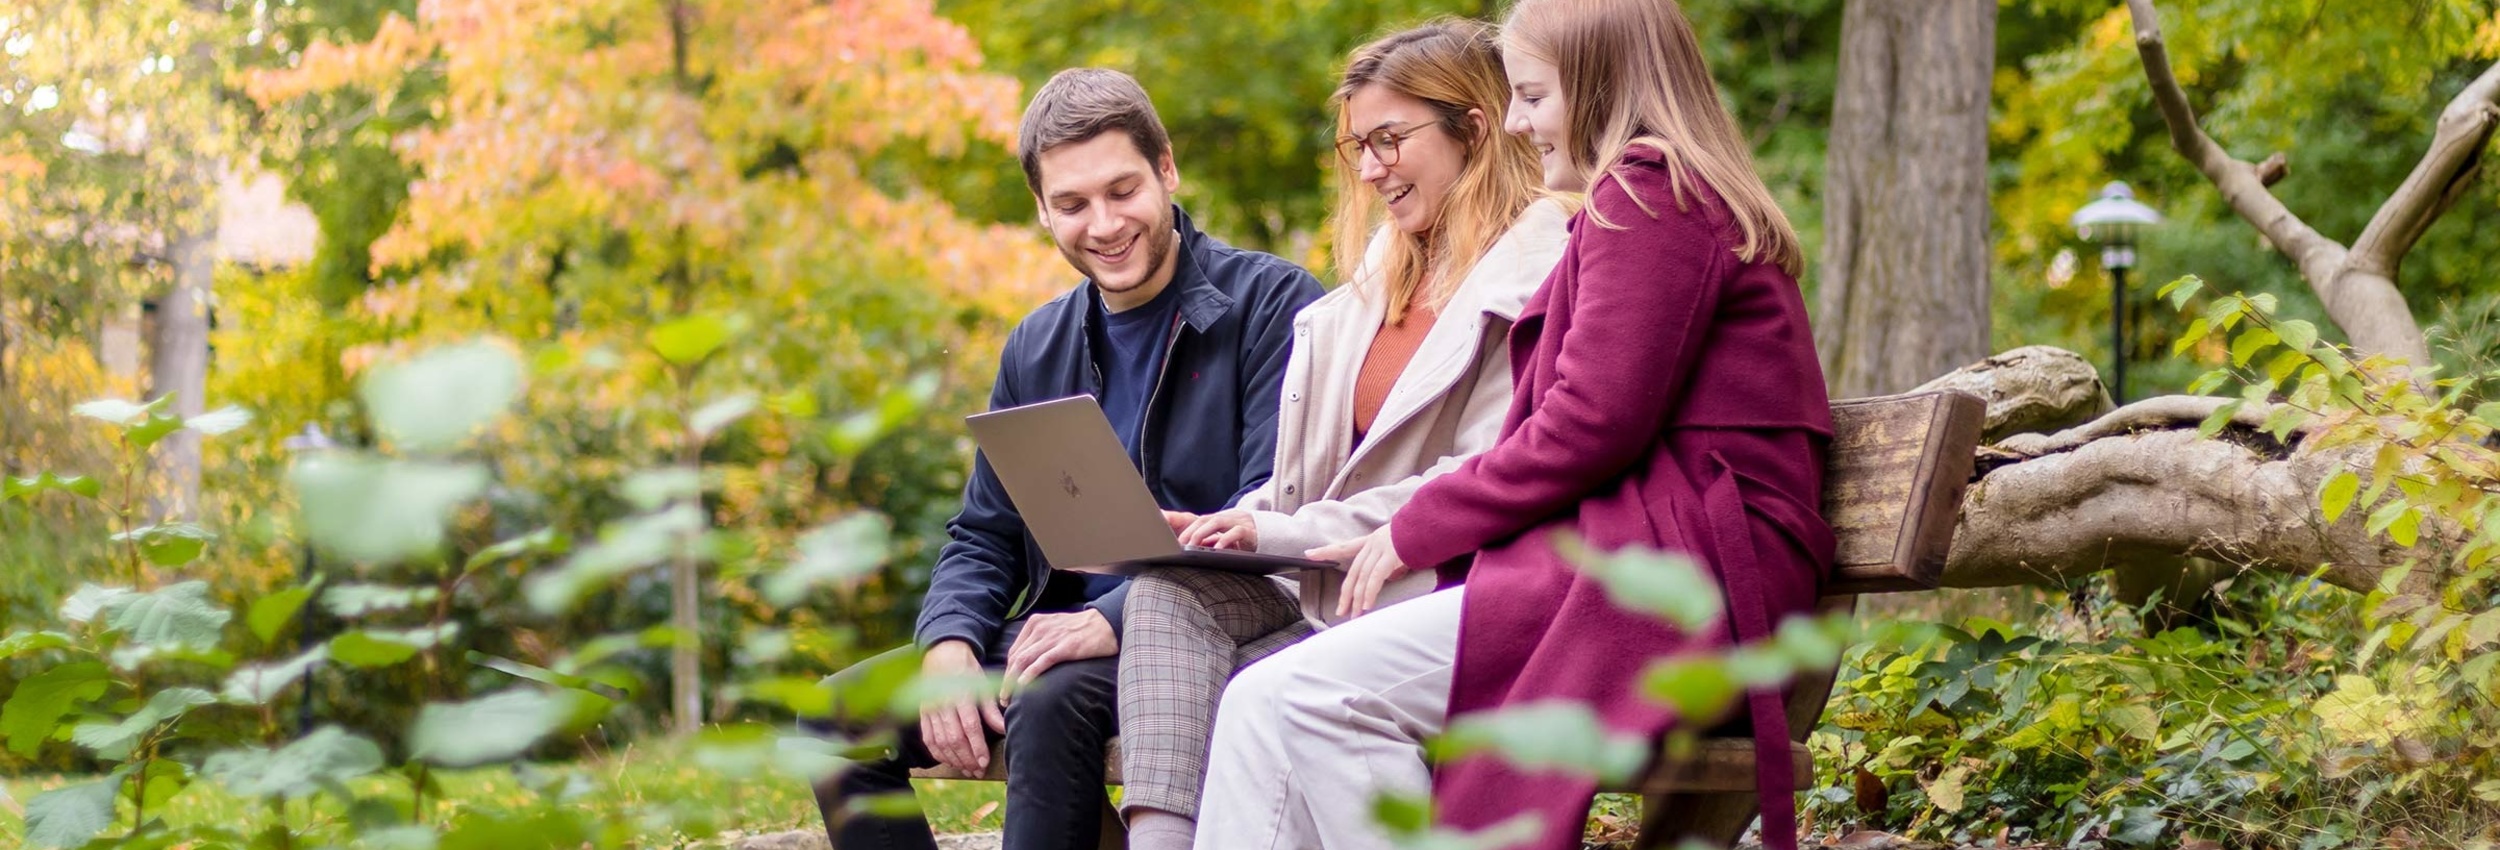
(2241, 184)
(2273, 170)
(2465, 128)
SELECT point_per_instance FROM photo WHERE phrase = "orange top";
(1391, 349)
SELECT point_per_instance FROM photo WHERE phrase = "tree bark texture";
(1904, 288)
(178, 366)
(2138, 486)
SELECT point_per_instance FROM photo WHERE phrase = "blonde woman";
(1668, 397)
(1393, 379)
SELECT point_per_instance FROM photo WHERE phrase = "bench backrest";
(1893, 489)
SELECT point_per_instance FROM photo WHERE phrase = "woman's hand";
(1233, 529)
(1372, 562)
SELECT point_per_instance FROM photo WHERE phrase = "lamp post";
(311, 441)
(2114, 220)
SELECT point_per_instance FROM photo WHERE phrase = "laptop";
(1082, 498)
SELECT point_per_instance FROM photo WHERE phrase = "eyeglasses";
(1383, 144)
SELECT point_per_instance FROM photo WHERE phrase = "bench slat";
(1893, 485)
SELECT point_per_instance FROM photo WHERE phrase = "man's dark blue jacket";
(1209, 435)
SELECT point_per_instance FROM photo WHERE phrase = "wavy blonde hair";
(1452, 65)
(1632, 74)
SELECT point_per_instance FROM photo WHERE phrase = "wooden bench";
(1892, 492)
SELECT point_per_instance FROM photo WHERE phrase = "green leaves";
(33, 713)
(2180, 290)
(713, 417)
(381, 648)
(838, 553)
(2336, 496)
(1563, 737)
(271, 613)
(71, 816)
(686, 341)
(143, 425)
(367, 509)
(114, 741)
(1662, 585)
(29, 488)
(258, 684)
(495, 728)
(437, 399)
(169, 545)
(179, 615)
(352, 601)
(325, 759)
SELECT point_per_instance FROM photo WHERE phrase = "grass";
(623, 788)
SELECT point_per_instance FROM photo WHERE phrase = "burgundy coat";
(1667, 396)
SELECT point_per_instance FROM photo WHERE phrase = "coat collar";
(1202, 302)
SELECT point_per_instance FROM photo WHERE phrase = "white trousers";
(1306, 738)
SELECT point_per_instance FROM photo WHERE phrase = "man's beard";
(1157, 242)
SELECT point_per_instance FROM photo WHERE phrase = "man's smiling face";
(1110, 211)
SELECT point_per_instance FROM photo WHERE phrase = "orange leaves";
(326, 66)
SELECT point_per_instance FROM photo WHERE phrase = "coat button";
(1288, 489)
(1293, 396)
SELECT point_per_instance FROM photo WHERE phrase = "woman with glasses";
(1393, 379)
(1668, 398)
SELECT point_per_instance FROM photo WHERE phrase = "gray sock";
(1155, 829)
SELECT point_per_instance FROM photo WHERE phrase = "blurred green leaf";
(353, 601)
(709, 421)
(437, 399)
(688, 340)
(169, 545)
(383, 648)
(90, 600)
(223, 420)
(624, 547)
(650, 489)
(176, 615)
(1555, 736)
(838, 553)
(270, 614)
(34, 711)
(384, 511)
(257, 684)
(117, 411)
(1658, 584)
(29, 488)
(71, 816)
(488, 729)
(327, 758)
(113, 741)
(1693, 687)
(20, 643)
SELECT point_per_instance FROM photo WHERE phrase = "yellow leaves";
(325, 66)
(2487, 37)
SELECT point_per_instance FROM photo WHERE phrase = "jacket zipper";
(1145, 422)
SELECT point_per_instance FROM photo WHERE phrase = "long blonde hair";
(1452, 65)
(1632, 74)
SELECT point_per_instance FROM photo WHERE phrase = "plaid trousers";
(1187, 631)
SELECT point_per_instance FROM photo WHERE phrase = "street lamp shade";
(2115, 218)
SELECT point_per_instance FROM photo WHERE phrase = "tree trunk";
(178, 365)
(1904, 291)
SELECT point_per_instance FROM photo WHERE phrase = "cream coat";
(1446, 405)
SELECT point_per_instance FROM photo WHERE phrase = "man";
(1183, 340)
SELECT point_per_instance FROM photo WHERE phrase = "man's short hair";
(1081, 103)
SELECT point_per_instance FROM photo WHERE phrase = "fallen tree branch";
(2159, 413)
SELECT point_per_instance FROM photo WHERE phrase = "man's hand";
(1052, 638)
(1233, 529)
(951, 730)
(1372, 561)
